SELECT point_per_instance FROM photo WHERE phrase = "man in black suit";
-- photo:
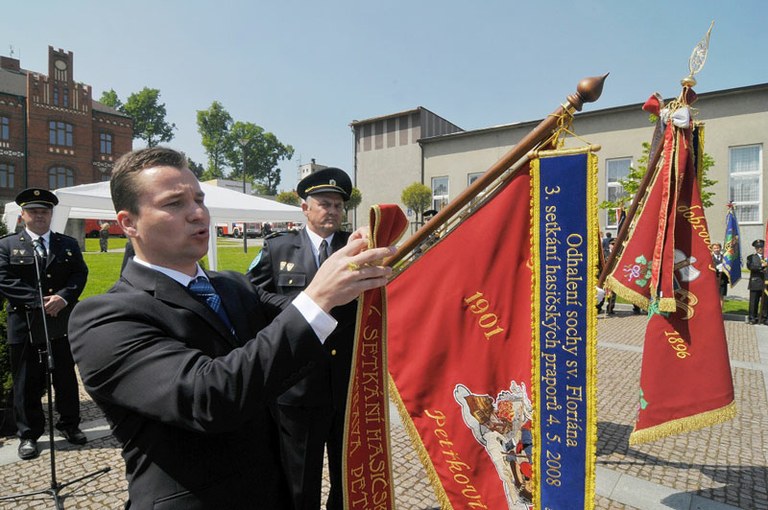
(756, 264)
(311, 413)
(185, 363)
(63, 274)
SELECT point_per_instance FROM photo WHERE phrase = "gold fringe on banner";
(593, 233)
(679, 426)
(535, 236)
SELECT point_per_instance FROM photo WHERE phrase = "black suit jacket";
(756, 272)
(65, 274)
(188, 406)
(285, 266)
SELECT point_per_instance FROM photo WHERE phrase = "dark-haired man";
(184, 362)
(63, 274)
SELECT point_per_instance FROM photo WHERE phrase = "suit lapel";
(232, 306)
(170, 291)
(303, 247)
(339, 241)
(53, 249)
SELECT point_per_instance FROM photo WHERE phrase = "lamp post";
(243, 142)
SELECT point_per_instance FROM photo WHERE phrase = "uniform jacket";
(756, 272)
(188, 407)
(65, 274)
(285, 266)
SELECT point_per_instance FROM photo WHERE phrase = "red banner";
(643, 274)
(666, 267)
(459, 327)
(685, 379)
(367, 460)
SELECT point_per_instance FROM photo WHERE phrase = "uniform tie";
(202, 289)
(39, 245)
(322, 254)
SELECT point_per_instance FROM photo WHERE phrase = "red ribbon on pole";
(368, 482)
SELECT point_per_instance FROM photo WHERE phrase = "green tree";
(288, 197)
(355, 197)
(631, 183)
(213, 125)
(259, 151)
(196, 168)
(259, 189)
(110, 99)
(418, 197)
(148, 115)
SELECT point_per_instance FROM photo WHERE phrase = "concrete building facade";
(736, 132)
(309, 168)
(388, 155)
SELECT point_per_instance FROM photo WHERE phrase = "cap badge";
(332, 182)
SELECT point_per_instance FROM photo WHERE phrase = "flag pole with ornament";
(665, 267)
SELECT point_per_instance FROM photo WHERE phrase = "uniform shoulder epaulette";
(9, 234)
(65, 236)
(278, 234)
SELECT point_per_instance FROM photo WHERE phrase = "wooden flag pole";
(587, 91)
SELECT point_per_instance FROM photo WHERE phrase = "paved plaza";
(718, 468)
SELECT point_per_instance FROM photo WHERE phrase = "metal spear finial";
(697, 58)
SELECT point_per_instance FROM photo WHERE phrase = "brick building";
(52, 132)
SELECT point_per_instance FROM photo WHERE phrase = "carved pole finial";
(697, 59)
(587, 91)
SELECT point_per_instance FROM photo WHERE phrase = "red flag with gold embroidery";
(459, 346)
(685, 378)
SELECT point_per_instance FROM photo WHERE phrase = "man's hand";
(361, 233)
(54, 304)
(348, 273)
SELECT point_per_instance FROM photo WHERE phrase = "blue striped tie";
(202, 289)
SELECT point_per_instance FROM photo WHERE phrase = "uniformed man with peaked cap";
(63, 275)
(311, 413)
(756, 263)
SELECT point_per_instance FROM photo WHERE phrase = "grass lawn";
(736, 306)
(104, 268)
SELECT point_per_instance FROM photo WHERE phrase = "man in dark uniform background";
(64, 275)
(756, 264)
(311, 416)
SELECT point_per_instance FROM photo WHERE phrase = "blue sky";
(305, 69)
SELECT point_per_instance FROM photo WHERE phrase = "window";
(60, 133)
(105, 143)
(60, 177)
(615, 170)
(744, 175)
(439, 192)
(473, 177)
(6, 175)
(5, 128)
(66, 96)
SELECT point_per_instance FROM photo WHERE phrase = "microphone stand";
(46, 357)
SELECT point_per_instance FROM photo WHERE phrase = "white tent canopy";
(95, 201)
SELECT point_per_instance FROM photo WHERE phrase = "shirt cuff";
(322, 323)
